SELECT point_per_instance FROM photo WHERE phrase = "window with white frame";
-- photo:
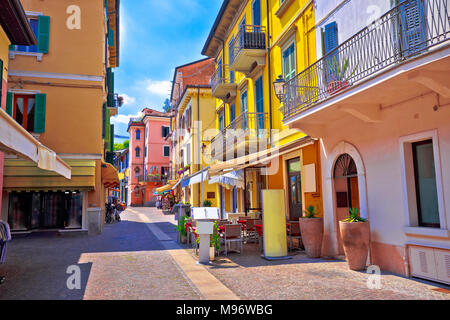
(422, 180)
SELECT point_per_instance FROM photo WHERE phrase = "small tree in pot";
(311, 228)
(355, 235)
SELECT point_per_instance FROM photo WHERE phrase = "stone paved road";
(251, 277)
(126, 261)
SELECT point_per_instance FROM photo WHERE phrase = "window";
(165, 131)
(28, 111)
(166, 151)
(41, 29)
(138, 134)
(425, 184)
(138, 152)
(256, 11)
(231, 58)
(145, 151)
(259, 102)
(232, 112)
(289, 62)
(244, 109)
(221, 120)
(188, 153)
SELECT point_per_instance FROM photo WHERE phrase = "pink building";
(149, 156)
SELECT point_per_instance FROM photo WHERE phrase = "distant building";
(149, 156)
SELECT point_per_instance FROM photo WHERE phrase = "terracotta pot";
(312, 234)
(183, 239)
(212, 253)
(355, 239)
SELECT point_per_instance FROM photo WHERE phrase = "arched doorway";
(345, 177)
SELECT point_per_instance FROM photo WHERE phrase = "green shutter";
(9, 103)
(111, 83)
(12, 47)
(104, 121)
(111, 37)
(43, 34)
(39, 115)
(108, 130)
(112, 137)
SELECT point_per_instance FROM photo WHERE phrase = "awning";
(167, 187)
(198, 176)
(178, 182)
(110, 176)
(14, 139)
(258, 157)
(24, 175)
(231, 179)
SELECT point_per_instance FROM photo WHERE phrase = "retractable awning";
(258, 158)
(167, 187)
(198, 177)
(110, 176)
(231, 179)
(14, 139)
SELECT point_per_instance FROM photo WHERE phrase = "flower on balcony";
(120, 100)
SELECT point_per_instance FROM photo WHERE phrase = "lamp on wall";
(278, 85)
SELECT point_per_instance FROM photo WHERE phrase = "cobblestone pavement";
(126, 261)
(251, 277)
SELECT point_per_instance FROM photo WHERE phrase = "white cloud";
(160, 88)
(127, 99)
(125, 119)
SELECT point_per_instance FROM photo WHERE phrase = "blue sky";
(156, 36)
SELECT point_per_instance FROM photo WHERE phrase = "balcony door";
(244, 110)
(256, 13)
(259, 102)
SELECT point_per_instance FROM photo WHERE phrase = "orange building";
(61, 90)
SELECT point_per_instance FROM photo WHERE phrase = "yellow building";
(193, 116)
(253, 43)
(61, 91)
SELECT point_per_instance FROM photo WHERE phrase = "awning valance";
(198, 177)
(230, 179)
(110, 176)
(14, 139)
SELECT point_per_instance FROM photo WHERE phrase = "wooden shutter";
(104, 121)
(112, 137)
(111, 37)
(9, 103)
(39, 115)
(331, 37)
(256, 8)
(413, 27)
(43, 33)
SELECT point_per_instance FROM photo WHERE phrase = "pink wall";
(3, 106)
(133, 198)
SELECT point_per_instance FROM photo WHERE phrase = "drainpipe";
(270, 71)
(200, 166)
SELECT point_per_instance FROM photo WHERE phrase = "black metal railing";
(245, 126)
(405, 31)
(114, 101)
(248, 37)
(220, 76)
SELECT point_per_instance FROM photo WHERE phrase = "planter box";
(337, 86)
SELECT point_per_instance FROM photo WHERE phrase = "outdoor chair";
(232, 234)
(250, 231)
(293, 232)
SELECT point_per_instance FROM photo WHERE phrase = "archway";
(345, 179)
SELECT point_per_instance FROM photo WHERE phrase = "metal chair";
(293, 232)
(232, 234)
(250, 231)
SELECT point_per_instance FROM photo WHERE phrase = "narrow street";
(140, 259)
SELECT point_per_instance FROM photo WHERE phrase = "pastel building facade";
(149, 156)
(383, 127)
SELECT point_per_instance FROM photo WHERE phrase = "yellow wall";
(4, 55)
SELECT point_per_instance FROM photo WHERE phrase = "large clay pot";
(355, 239)
(312, 234)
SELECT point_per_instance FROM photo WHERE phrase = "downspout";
(270, 71)
(200, 191)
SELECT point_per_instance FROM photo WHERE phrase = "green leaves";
(354, 216)
(339, 71)
(310, 212)
(207, 203)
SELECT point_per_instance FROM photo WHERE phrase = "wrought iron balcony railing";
(248, 125)
(407, 30)
(114, 101)
(248, 37)
(220, 76)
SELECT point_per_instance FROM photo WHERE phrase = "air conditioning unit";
(430, 263)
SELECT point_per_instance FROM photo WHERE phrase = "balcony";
(153, 178)
(222, 87)
(249, 49)
(404, 33)
(247, 134)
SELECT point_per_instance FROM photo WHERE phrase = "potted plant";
(355, 235)
(181, 228)
(311, 228)
(207, 203)
(339, 75)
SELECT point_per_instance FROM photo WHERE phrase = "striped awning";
(110, 176)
